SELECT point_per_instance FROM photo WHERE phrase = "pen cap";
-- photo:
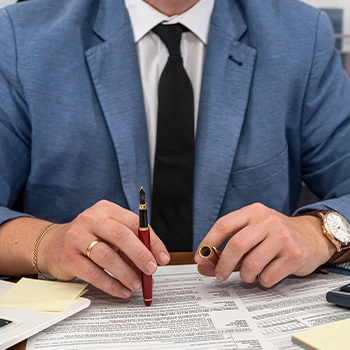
(211, 254)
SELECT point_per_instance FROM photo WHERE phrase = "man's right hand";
(62, 251)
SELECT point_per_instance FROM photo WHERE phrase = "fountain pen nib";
(142, 196)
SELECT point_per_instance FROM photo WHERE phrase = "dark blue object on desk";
(340, 296)
(339, 270)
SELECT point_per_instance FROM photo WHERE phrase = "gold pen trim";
(216, 251)
(206, 252)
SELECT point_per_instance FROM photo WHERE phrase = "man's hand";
(62, 252)
(266, 245)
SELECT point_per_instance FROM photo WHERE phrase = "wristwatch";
(335, 227)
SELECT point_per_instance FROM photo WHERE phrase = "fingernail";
(164, 258)
(219, 277)
(151, 267)
(126, 292)
(136, 284)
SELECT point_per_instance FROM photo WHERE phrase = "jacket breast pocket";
(266, 183)
(262, 172)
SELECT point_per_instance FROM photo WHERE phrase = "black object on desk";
(340, 296)
(4, 322)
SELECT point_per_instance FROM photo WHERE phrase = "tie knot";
(171, 36)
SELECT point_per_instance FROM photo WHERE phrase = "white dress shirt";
(153, 54)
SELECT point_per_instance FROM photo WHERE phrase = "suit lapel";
(115, 74)
(226, 83)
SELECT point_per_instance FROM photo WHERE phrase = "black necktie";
(172, 200)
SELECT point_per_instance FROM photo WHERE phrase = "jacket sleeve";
(325, 131)
(15, 150)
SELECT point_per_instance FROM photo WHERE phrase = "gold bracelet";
(35, 251)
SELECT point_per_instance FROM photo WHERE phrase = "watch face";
(338, 226)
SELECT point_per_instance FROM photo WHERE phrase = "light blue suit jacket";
(274, 110)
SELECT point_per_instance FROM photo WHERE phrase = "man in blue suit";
(77, 96)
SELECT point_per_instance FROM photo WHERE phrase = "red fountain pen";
(144, 236)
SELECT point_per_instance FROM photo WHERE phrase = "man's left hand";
(266, 245)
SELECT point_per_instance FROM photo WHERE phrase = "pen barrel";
(147, 281)
(144, 236)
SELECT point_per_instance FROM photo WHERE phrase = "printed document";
(191, 311)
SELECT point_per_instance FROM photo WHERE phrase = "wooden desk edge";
(181, 258)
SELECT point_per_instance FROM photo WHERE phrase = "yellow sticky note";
(39, 295)
(326, 337)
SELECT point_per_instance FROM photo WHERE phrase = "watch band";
(317, 212)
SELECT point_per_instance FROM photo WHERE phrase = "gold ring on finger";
(90, 246)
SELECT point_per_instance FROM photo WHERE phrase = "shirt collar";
(144, 17)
